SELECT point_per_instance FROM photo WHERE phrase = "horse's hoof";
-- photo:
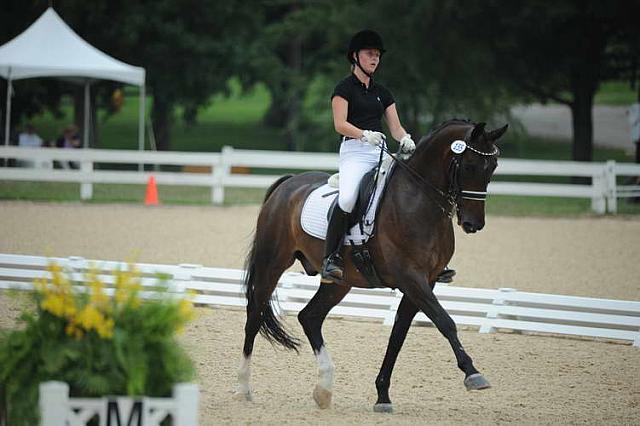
(322, 397)
(385, 407)
(476, 382)
(243, 396)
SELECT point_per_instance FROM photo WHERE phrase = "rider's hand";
(407, 145)
(372, 137)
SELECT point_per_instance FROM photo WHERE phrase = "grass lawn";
(499, 205)
(616, 93)
(235, 120)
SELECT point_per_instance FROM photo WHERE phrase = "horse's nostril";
(468, 227)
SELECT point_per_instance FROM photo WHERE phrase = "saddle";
(366, 190)
(360, 254)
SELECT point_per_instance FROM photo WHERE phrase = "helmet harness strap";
(357, 62)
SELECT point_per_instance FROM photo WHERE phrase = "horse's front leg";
(407, 310)
(421, 294)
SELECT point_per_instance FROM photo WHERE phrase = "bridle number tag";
(458, 146)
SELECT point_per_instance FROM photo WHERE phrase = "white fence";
(489, 310)
(57, 409)
(602, 191)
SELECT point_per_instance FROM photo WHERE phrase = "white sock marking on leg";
(244, 375)
(326, 369)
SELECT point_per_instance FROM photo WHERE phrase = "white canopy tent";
(50, 48)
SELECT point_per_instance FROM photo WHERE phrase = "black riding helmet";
(365, 39)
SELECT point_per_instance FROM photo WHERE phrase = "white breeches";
(356, 159)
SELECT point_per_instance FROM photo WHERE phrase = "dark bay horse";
(414, 241)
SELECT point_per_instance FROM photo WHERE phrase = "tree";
(434, 73)
(296, 45)
(434, 70)
(559, 51)
(189, 48)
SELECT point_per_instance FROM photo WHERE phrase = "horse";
(414, 240)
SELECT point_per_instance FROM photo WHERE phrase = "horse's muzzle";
(470, 228)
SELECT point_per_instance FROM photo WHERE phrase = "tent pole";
(141, 119)
(7, 120)
(87, 100)
(141, 114)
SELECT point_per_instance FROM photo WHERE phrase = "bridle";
(455, 194)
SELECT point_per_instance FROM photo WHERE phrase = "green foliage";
(616, 93)
(558, 52)
(99, 346)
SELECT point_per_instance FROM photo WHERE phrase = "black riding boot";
(446, 275)
(333, 264)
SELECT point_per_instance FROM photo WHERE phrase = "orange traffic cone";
(151, 199)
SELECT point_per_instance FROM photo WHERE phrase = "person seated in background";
(69, 139)
(29, 139)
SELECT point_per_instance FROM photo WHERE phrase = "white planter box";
(57, 409)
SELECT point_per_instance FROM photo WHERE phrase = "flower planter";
(58, 409)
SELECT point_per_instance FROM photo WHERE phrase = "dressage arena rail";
(603, 189)
(489, 310)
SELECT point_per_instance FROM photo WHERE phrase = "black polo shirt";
(366, 105)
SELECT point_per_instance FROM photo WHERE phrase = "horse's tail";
(270, 327)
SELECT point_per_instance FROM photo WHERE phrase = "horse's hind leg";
(263, 272)
(311, 318)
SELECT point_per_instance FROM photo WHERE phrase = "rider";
(358, 104)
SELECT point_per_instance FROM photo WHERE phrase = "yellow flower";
(54, 304)
(105, 328)
(90, 318)
(185, 309)
(72, 329)
(58, 280)
(127, 287)
(98, 297)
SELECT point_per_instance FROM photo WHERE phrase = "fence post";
(390, 317)
(220, 172)
(182, 277)
(281, 295)
(185, 396)
(86, 185)
(612, 195)
(78, 266)
(494, 312)
(54, 402)
(599, 188)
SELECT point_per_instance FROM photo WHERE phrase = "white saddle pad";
(314, 214)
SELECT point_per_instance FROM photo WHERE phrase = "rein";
(448, 201)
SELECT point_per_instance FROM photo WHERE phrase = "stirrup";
(446, 276)
(333, 269)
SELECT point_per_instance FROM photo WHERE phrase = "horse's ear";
(496, 134)
(477, 131)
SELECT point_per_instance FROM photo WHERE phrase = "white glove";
(372, 137)
(407, 144)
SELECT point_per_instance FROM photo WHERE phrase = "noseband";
(448, 201)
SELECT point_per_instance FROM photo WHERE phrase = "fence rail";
(603, 189)
(489, 310)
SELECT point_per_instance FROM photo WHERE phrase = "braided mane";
(425, 139)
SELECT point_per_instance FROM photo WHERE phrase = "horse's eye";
(469, 168)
